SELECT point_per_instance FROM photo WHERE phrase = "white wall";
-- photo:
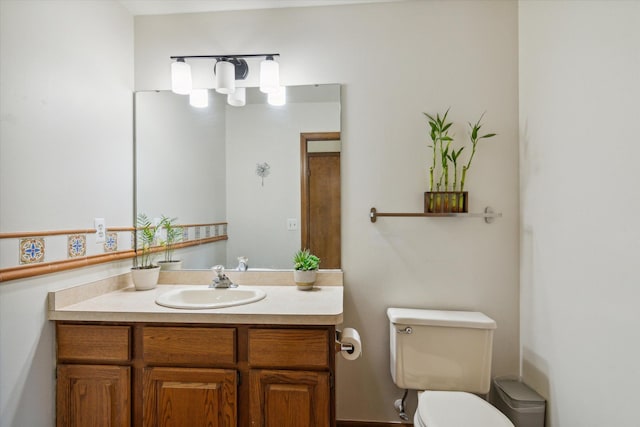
(394, 62)
(66, 80)
(579, 91)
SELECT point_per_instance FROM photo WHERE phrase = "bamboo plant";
(442, 150)
(146, 235)
(439, 135)
(475, 138)
(172, 236)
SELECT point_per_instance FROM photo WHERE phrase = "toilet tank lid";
(447, 318)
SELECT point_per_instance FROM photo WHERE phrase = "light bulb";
(238, 98)
(278, 98)
(269, 75)
(181, 77)
(225, 77)
(199, 98)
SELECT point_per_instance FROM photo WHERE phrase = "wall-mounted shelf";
(489, 215)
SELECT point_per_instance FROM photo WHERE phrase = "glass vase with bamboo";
(441, 197)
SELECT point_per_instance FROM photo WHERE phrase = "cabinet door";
(189, 397)
(93, 396)
(289, 398)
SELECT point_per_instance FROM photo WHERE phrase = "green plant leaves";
(441, 142)
(304, 260)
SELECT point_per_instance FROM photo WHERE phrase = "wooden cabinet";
(155, 375)
(298, 393)
(90, 390)
(187, 397)
(97, 396)
(280, 398)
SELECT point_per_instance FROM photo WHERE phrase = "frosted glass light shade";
(269, 76)
(238, 98)
(225, 77)
(181, 77)
(278, 98)
(199, 98)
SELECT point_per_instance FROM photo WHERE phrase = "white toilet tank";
(441, 350)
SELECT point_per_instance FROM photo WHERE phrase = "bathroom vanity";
(123, 360)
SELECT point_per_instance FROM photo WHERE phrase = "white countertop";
(282, 305)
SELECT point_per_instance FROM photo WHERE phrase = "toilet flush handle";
(407, 330)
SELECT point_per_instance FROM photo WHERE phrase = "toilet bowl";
(456, 409)
(447, 353)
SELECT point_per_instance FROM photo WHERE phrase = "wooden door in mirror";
(320, 196)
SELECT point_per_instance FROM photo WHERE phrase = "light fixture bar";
(250, 55)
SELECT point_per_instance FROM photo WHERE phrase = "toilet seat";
(457, 409)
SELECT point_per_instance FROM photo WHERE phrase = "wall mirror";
(240, 165)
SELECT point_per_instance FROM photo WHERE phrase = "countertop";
(116, 300)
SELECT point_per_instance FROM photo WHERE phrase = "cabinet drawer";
(190, 346)
(289, 348)
(94, 342)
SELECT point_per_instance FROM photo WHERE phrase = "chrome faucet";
(243, 263)
(221, 281)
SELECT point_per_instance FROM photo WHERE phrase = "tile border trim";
(22, 271)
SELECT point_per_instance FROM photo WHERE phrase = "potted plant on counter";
(144, 274)
(172, 235)
(305, 269)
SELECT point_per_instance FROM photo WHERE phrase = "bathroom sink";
(201, 297)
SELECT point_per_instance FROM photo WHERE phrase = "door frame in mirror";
(305, 229)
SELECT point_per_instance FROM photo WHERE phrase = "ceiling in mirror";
(203, 165)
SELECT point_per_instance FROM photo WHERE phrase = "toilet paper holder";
(341, 346)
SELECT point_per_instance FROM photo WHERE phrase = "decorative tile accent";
(197, 232)
(185, 234)
(111, 242)
(77, 245)
(224, 229)
(31, 250)
(215, 230)
(207, 231)
(133, 240)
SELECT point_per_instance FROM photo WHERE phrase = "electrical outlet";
(292, 224)
(101, 229)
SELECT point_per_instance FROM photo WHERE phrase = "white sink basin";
(202, 297)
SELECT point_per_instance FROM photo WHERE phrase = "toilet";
(446, 355)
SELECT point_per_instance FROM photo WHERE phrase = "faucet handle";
(219, 269)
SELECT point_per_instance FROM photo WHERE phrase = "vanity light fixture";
(180, 77)
(228, 69)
